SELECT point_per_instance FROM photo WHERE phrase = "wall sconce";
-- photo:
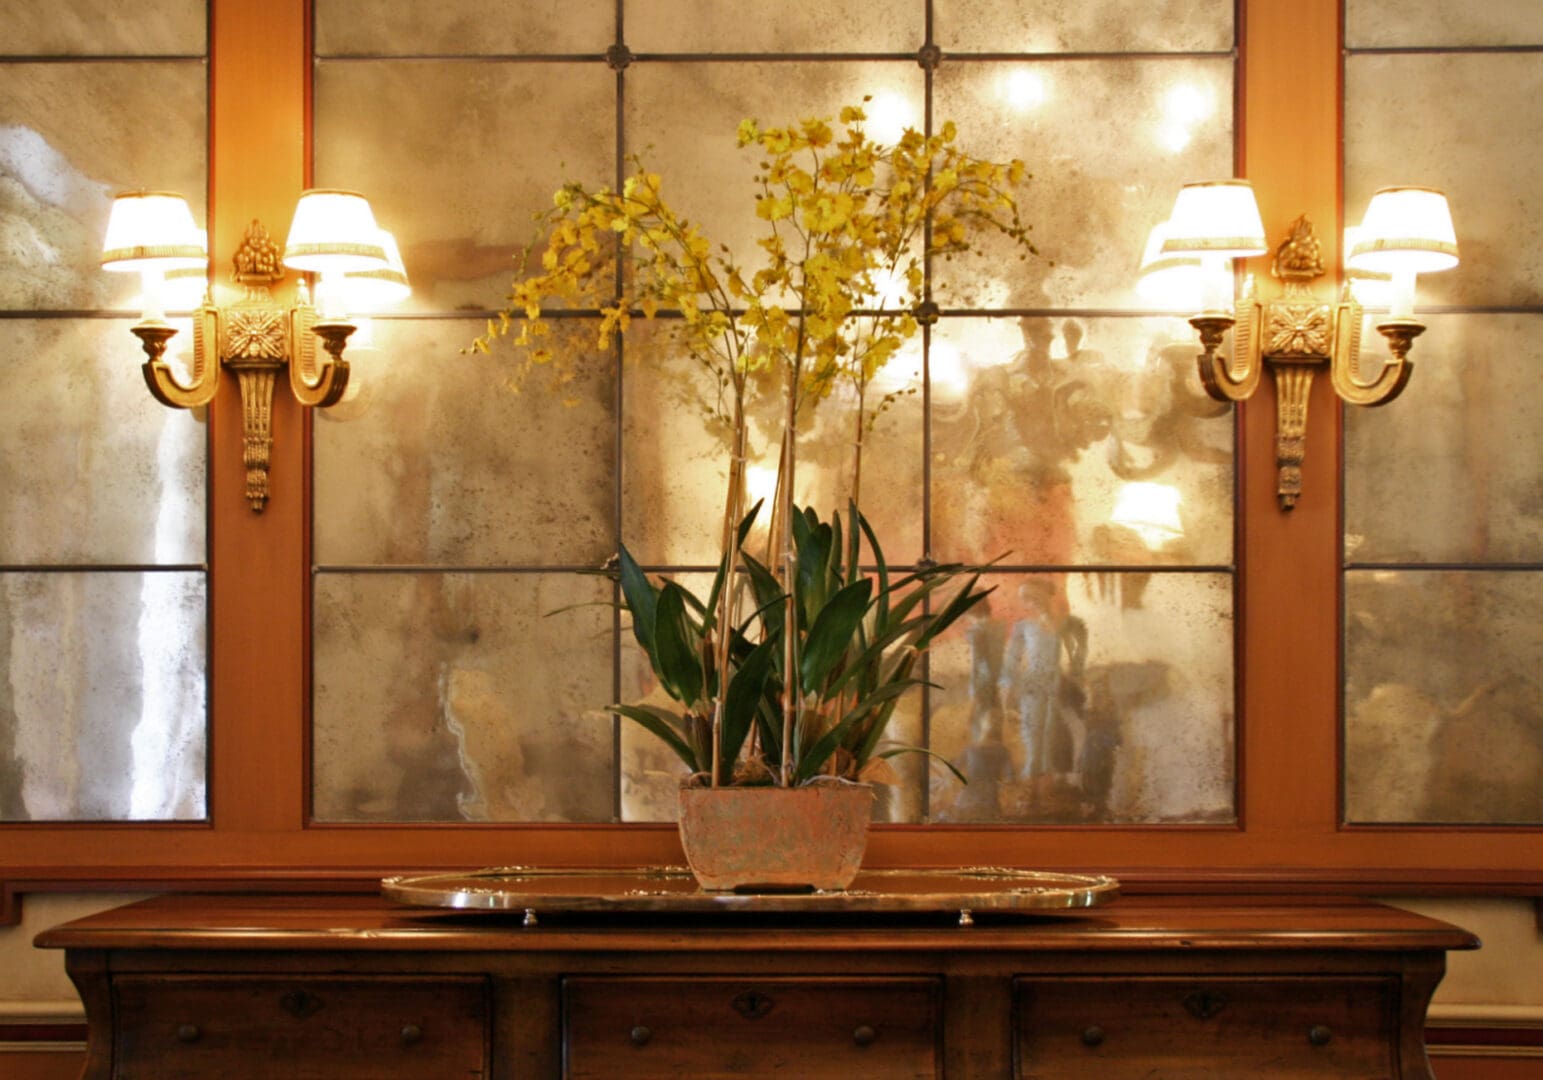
(1406, 231)
(333, 234)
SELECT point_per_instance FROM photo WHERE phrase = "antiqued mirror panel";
(102, 696)
(1064, 440)
(1107, 142)
(1049, 26)
(104, 27)
(73, 135)
(1450, 472)
(1468, 124)
(92, 469)
(462, 697)
(675, 457)
(1441, 697)
(462, 27)
(1089, 698)
(1403, 23)
(458, 155)
(441, 460)
(777, 26)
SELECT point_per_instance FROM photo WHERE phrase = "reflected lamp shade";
(380, 286)
(333, 232)
(1406, 229)
(154, 231)
(1172, 282)
(1216, 218)
(1149, 510)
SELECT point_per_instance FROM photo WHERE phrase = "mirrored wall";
(103, 608)
(466, 639)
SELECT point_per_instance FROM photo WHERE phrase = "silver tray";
(672, 889)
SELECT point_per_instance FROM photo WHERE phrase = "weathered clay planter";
(775, 838)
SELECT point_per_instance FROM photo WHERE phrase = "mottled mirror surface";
(469, 697)
(1466, 123)
(1040, 26)
(1109, 142)
(73, 135)
(1441, 696)
(463, 27)
(1400, 23)
(775, 26)
(102, 696)
(104, 27)
(1450, 472)
(1091, 697)
(1027, 437)
(440, 461)
(456, 157)
(1044, 429)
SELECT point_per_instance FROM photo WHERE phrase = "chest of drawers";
(306, 987)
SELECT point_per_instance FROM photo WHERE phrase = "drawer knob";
(1093, 1036)
(864, 1034)
(188, 1033)
(640, 1035)
(412, 1034)
(1319, 1035)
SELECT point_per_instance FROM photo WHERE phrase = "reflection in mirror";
(1097, 697)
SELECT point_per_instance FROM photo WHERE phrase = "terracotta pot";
(752, 838)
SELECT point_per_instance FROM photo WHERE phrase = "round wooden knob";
(412, 1034)
(1319, 1035)
(640, 1035)
(1093, 1036)
(188, 1033)
(863, 1035)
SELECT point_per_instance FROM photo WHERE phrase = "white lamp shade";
(1171, 282)
(1405, 229)
(153, 230)
(1150, 510)
(333, 232)
(369, 290)
(1216, 217)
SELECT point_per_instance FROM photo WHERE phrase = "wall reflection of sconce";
(333, 234)
(1151, 511)
(1406, 231)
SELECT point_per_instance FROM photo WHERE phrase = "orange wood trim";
(259, 66)
(1290, 560)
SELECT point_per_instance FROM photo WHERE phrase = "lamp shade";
(1216, 217)
(368, 290)
(333, 232)
(153, 230)
(1405, 229)
(1172, 282)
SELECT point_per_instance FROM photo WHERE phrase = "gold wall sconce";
(333, 235)
(1406, 231)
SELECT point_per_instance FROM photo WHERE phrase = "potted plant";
(788, 671)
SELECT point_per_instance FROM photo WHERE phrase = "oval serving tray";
(672, 889)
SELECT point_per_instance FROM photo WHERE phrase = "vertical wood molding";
(1290, 560)
(258, 64)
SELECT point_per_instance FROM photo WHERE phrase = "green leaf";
(962, 601)
(897, 750)
(679, 664)
(881, 570)
(642, 600)
(832, 632)
(747, 691)
(768, 594)
(662, 723)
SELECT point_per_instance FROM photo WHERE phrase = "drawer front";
(1116, 1028)
(200, 1027)
(812, 1029)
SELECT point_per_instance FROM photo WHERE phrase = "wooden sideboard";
(351, 987)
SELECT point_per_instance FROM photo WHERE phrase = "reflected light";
(1184, 108)
(760, 484)
(1023, 89)
(1149, 510)
(1371, 288)
(889, 114)
(946, 373)
(1170, 282)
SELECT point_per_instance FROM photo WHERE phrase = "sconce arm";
(1236, 377)
(1345, 370)
(317, 385)
(159, 376)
